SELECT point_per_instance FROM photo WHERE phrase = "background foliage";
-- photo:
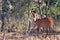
(19, 8)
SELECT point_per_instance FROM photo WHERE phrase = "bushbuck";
(45, 22)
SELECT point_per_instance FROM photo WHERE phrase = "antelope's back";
(48, 22)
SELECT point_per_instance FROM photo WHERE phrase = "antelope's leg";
(38, 29)
(49, 29)
(46, 33)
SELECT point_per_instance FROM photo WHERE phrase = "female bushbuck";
(46, 22)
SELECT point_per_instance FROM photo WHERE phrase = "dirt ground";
(30, 36)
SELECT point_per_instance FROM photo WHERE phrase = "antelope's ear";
(33, 11)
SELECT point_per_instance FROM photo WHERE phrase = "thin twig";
(4, 36)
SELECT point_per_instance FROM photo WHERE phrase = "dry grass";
(18, 35)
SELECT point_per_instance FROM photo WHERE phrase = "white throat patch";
(34, 19)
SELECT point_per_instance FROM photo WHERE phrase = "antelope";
(45, 22)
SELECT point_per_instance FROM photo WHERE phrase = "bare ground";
(29, 36)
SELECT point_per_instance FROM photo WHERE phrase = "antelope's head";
(35, 16)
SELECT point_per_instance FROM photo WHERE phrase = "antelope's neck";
(35, 19)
